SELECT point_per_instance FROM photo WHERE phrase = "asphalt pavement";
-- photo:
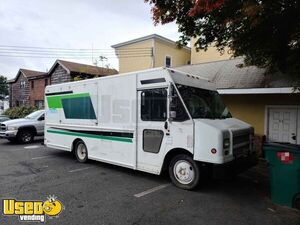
(99, 193)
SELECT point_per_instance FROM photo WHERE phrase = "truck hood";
(16, 122)
(211, 133)
(224, 124)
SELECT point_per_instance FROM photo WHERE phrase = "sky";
(74, 24)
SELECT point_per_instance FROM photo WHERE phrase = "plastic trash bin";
(284, 164)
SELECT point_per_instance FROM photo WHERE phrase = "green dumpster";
(284, 164)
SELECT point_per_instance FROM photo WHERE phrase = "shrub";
(19, 112)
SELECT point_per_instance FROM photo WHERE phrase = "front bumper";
(236, 166)
(8, 134)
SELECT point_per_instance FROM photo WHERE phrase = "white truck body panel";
(106, 114)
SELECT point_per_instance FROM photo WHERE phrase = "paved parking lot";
(97, 193)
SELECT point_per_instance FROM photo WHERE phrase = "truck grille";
(241, 142)
(2, 127)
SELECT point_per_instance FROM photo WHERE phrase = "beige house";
(211, 54)
(156, 51)
(149, 52)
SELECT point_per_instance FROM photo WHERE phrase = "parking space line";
(32, 147)
(80, 169)
(151, 190)
(42, 157)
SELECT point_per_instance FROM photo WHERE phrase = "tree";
(265, 32)
(3, 87)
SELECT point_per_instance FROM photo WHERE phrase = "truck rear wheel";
(25, 136)
(81, 152)
(184, 172)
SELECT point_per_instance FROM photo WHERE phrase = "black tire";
(296, 202)
(80, 153)
(189, 178)
(25, 136)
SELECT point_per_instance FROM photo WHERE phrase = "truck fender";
(30, 127)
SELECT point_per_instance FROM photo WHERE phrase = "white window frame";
(22, 84)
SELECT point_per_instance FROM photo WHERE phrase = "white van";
(149, 121)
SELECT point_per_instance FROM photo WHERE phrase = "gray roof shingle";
(230, 74)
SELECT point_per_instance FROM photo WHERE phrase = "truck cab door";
(40, 124)
(152, 128)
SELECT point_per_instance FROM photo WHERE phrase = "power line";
(75, 53)
(69, 49)
(40, 52)
(64, 51)
(71, 57)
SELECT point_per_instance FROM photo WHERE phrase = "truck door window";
(154, 105)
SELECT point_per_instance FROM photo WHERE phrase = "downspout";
(153, 53)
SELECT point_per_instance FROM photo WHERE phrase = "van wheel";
(184, 172)
(25, 136)
(81, 152)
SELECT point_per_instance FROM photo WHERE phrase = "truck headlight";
(226, 143)
(12, 128)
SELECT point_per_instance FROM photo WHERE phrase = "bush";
(19, 112)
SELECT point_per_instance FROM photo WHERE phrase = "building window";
(46, 82)
(22, 84)
(32, 84)
(154, 105)
(188, 62)
(21, 103)
(39, 104)
(59, 80)
(168, 62)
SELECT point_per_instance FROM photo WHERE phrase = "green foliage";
(266, 32)
(77, 78)
(3, 87)
(19, 112)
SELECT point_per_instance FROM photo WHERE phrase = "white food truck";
(150, 121)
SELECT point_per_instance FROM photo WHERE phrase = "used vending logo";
(33, 211)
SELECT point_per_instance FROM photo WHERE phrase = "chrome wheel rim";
(184, 172)
(26, 137)
(81, 151)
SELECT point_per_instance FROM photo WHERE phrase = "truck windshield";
(34, 115)
(203, 103)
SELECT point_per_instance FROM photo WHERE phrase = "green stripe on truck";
(78, 134)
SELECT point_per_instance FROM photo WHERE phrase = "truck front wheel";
(81, 152)
(184, 172)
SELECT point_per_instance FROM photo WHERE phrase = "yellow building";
(149, 52)
(211, 54)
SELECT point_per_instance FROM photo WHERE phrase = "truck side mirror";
(172, 114)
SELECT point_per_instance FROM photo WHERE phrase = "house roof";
(83, 68)
(230, 74)
(148, 37)
(29, 74)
